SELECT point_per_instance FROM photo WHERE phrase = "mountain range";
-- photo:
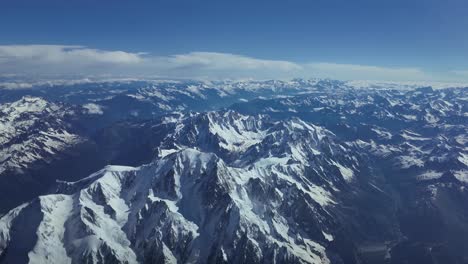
(301, 171)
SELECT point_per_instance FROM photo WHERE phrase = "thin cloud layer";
(461, 73)
(52, 54)
(56, 59)
(67, 60)
(225, 61)
(359, 72)
(223, 65)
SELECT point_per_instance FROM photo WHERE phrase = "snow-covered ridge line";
(228, 84)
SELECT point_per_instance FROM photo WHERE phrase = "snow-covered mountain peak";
(205, 201)
(26, 105)
(30, 103)
(187, 206)
(226, 131)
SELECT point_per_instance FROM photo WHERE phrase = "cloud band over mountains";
(72, 59)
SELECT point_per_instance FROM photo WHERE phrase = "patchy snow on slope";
(406, 162)
(327, 236)
(409, 135)
(463, 158)
(461, 175)
(410, 117)
(429, 175)
(93, 109)
(347, 173)
(382, 133)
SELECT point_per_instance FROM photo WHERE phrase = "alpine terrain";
(301, 171)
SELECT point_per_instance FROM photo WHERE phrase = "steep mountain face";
(212, 196)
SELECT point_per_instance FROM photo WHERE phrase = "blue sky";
(413, 39)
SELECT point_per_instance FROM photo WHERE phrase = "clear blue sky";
(427, 34)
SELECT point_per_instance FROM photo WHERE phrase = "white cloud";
(80, 60)
(359, 72)
(225, 61)
(64, 54)
(56, 59)
(222, 65)
(15, 85)
(463, 73)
